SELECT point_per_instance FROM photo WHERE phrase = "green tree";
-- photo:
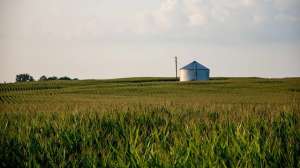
(65, 78)
(24, 78)
(43, 78)
(52, 78)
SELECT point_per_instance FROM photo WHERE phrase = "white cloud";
(286, 18)
(198, 19)
(286, 4)
(169, 15)
(210, 19)
(208, 13)
(259, 19)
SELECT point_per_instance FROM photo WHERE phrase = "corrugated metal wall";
(191, 75)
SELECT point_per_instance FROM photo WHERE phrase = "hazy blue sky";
(113, 38)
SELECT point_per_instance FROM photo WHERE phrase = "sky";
(101, 39)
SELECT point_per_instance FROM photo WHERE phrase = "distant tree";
(75, 79)
(31, 78)
(24, 78)
(65, 78)
(52, 78)
(43, 78)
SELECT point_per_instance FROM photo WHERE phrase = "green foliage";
(43, 78)
(65, 78)
(151, 122)
(52, 78)
(24, 78)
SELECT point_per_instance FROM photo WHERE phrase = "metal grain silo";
(194, 71)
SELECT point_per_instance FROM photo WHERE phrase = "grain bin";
(194, 71)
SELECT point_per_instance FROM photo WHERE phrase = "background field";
(151, 122)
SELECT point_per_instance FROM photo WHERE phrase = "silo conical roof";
(194, 65)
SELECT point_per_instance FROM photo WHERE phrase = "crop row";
(8, 99)
(26, 88)
(156, 138)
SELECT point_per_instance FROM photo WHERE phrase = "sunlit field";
(151, 122)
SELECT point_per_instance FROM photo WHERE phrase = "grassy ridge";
(151, 122)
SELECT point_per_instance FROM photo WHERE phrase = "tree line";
(28, 78)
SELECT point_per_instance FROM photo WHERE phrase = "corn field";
(151, 122)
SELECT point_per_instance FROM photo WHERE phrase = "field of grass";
(151, 122)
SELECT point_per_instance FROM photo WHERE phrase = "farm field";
(151, 122)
